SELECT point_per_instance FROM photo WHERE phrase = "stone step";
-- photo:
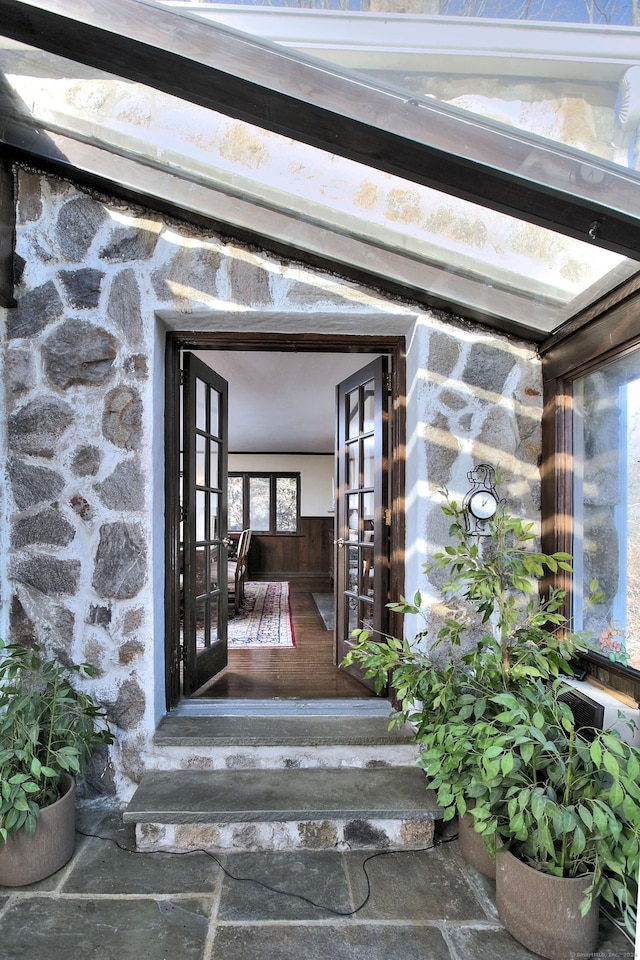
(222, 810)
(271, 741)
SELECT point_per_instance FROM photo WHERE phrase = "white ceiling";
(282, 402)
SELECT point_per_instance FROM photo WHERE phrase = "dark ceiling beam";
(7, 233)
(417, 139)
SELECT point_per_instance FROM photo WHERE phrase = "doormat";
(265, 620)
(324, 603)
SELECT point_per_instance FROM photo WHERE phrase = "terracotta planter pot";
(543, 912)
(473, 848)
(25, 860)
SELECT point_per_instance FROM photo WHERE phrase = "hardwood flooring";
(306, 671)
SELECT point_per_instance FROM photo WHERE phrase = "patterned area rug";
(265, 620)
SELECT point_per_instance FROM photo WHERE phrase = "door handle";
(340, 542)
(227, 542)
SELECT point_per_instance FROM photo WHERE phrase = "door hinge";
(388, 382)
(182, 514)
(181, 378)
(387, 517)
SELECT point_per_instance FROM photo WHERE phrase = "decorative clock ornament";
(481, 501)
(483, 505)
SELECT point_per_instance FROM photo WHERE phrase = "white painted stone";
(283, 835)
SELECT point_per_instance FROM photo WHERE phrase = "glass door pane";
(361, 563)
(606, 532)
(204, 594)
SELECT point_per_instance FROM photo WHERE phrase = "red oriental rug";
(265, 620)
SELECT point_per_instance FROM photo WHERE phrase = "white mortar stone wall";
(82, 356)
(334, 834)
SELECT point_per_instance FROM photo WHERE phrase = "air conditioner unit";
(594, 707)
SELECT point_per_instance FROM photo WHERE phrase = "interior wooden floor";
(306, 671)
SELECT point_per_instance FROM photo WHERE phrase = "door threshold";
(338, 707)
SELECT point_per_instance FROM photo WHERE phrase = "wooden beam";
(7, 233)
(420, 140)
(614, 332)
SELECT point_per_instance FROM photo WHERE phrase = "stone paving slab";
(280, 731)
(494, 943)
(103, 868)
(289, 707)
(329, 942)
(106, 823)
(320, 876)
(110, 905)
(416, 886)
(41, 928)
(192, 796)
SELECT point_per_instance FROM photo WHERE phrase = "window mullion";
(273, 506)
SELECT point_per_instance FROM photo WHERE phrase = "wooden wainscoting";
(307, 554)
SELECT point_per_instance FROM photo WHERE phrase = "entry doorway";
(272, 365)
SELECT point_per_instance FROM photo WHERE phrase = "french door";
(204, 542)
(362, 514)
(370, 480)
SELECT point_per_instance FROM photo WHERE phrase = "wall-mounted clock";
(481, 502)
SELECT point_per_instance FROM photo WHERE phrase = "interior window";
(606, 498)
(264, 502)
(235, 504)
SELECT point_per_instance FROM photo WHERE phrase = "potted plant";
(565, 817)
(462, 704)
(48, 730)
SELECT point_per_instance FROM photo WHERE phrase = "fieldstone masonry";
(78, 352)
(81, 561)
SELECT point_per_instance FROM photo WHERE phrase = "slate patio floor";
(109, 904)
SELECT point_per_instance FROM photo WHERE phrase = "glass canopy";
(485, 56)
(467, 163)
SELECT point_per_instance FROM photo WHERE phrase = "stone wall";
(472, 398)
(81, 536)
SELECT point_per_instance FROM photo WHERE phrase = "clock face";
(483, 504)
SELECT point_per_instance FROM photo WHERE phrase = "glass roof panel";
(566, 70)
(367, 200)
(461, 253)
(420, 138)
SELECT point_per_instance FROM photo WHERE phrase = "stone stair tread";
(279, 731)
(225, 796)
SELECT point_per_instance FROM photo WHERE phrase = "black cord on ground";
(617, 922)
(267, 886)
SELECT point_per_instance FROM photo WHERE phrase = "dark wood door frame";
(205, 541)
(361, 560)
(393, 346)
(609, 335)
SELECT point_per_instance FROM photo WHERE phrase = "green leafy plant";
(498, 576)
(47, 728)
(494, 739)
(493, 581)
(564, 800)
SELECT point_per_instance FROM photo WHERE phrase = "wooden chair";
(237, 572)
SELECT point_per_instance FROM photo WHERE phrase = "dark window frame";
(273, 476)
(612, 334)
